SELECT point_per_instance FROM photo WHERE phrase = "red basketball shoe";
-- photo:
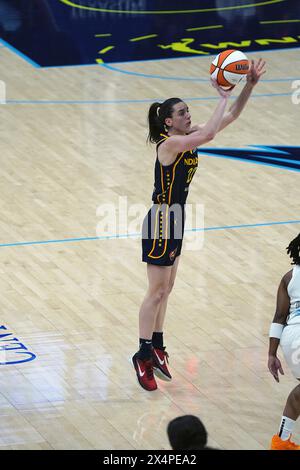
(160, 360)
(144, 372)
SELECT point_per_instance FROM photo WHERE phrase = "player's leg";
(160, 318)
(291, 412)
(158, 286)
(281, 441)
(160, 356)
(292, 407)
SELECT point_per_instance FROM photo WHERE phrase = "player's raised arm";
(254, 75)
(193, 137)
(258, 68)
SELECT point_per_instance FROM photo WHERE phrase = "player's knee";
(161, 292)
(168, 289)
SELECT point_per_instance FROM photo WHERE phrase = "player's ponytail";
(158, 113)
(294, 250)
(155, 124)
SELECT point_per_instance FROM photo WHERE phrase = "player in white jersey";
(285, 330)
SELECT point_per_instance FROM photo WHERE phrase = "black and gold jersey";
(171, 182)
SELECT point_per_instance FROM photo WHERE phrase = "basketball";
(229, 68)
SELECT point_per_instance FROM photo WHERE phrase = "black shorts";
(162, 234)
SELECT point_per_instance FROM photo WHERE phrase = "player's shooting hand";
(225, 93)
(258, 68)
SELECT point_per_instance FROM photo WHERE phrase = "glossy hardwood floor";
(73, 139)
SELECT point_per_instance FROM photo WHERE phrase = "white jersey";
(294, 294)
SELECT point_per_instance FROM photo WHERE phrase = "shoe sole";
(161, 375)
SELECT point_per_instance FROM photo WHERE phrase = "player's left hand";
(274, 365)
(258, 68)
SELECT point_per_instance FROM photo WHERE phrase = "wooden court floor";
(73, 139)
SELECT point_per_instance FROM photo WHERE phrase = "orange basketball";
(229, 68)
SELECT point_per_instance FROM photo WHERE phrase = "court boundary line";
(143, 100)
(191, 79)
(20, 54)
(138, 235)
(191, 56)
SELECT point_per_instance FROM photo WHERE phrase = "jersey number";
(191, 173)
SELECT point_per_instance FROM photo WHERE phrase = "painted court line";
(145, 100)
(138, 235)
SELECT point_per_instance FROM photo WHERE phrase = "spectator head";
(187, 432)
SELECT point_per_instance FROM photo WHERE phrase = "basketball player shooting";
(170, 128)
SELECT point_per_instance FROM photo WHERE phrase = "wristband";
(276, 330)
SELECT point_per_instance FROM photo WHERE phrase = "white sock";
(286, 428)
